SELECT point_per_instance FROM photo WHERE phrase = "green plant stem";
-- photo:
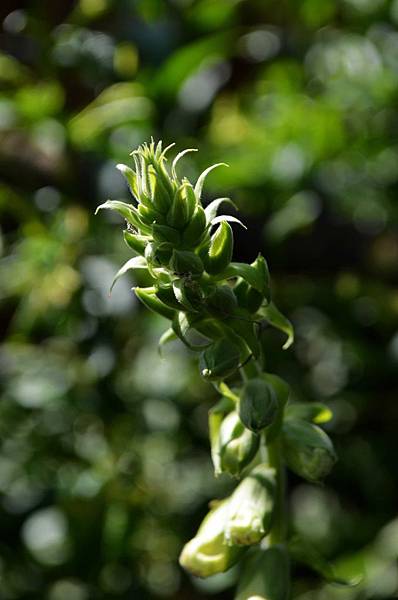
(250, 370)
(278, 531)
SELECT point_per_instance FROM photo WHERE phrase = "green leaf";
(229, 218)
(138, 262)
(181, 327)
(201, 179)
(177, 158)
(309, 411)
(216, 416)
(148, 298)
(212, 208)
(247, 272)
(128, 211)
(275, 318)
(130, 177)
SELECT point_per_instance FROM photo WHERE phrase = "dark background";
(105, 468)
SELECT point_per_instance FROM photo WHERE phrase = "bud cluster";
(218, 308)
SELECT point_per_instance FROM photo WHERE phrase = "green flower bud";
(219, 253)
(220, 360)
(248, 297)
(307, 449)
(207, 554)
(148, 298)
(147, 214)
(135, 241)
(251, 508)
(238, 445)
(265, 575)
(164, 233)
(195, 229)
(184, 262)
(183, 206)
(258, 404)
(222, 300)
(167, 296)
(161, 194)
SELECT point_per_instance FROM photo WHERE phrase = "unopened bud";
(251, 507)
(195, 229)
(164, 233)
(219, 253)
(220, 360)
(184, 262)
(238, 445)
(222, 300)
(258, 405)
(207, 554)
(307, 449)
(182, 207)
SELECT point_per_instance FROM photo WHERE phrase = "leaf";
(179, 292)
(247, 272)
(178, 157)
(302, 551)
(130, 177)
(138, 262)
(166, 337)
(128, 211)
(148, 298)
(212, 208)
(309, 411)
(229, 218)
(201, 179)
(182, 327)
(275, 318)
(216, 416)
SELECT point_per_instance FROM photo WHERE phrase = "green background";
(104, 467)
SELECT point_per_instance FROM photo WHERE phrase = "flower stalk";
(217, 307)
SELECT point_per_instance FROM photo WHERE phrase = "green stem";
(278, 531)
(250, 370)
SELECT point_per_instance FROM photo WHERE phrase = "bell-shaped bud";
(207, 554)
(220, 360)
(258, 404)
(195, 229)
(219, 253)
(222, 300)
(251, 508)
(184, 262)
(307, 449)
(183, 206)
(237, 445)
(135, 241)
(265, 575)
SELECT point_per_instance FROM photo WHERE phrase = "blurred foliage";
(104, 467)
